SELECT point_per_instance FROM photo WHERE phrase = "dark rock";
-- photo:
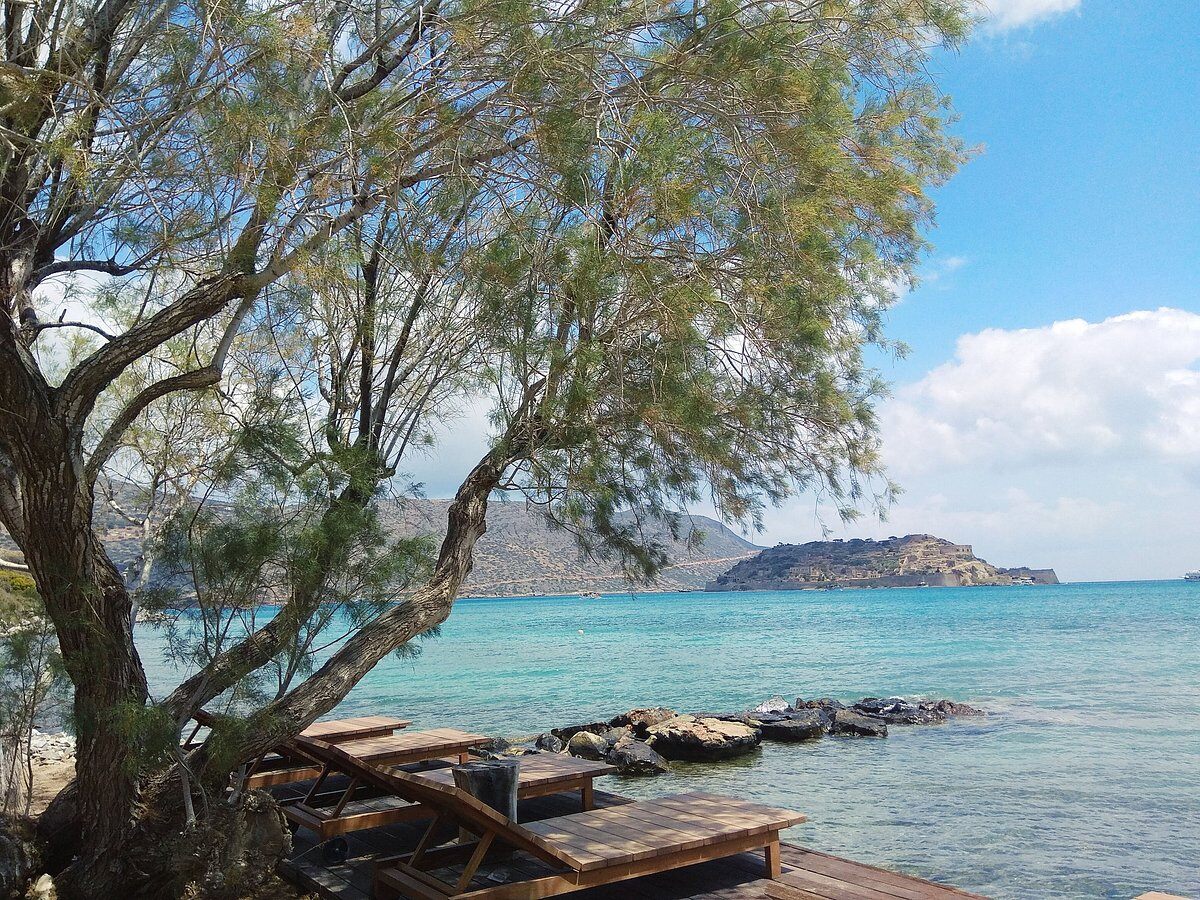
(612, 735)
(20, 855)
(586, 745)
(744, 717)
(847, 721)
(754, 719)
(499, 748)
(826, 703)
(551, 743)
(898, 711)
(801, 725)
(641, 720)
(569, 731)
(493, 748)
(692, 738)
(634, 757)
(950, 708)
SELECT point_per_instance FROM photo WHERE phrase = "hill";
(910, 561)
(520, 554)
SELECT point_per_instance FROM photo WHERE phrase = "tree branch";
(11, 508)
(198, 379)
(86, 381)
(34, 330)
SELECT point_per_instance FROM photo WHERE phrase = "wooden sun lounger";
(285, 764)
(582, 850)
(357, 805)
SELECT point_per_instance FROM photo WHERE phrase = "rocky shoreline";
(646, 740)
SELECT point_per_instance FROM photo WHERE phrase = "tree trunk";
(89, 605)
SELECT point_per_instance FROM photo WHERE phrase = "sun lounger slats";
(537, 769)
(287, 765)
(336, 730)
(681, 822)
(412, 746)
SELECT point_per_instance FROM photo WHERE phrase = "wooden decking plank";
(866, 878)
(826, 864)
(832, 888)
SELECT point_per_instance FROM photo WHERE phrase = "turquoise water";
(1084, 783)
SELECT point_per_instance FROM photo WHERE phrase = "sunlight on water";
(1085, 782)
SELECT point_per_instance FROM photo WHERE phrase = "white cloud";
(1126, 387)
(1002, 15)
(1075, 445)
(459, 443)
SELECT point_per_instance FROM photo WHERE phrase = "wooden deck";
(807, 875)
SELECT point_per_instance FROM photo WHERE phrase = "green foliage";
(18, 597)
(306, 549)
(34, 688)
(697, 278)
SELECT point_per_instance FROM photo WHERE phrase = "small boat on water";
(1191, 576)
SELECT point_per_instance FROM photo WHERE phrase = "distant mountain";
(520, 553)
(910, 561)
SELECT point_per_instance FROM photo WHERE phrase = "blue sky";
(1085, 197)
(1049, 410)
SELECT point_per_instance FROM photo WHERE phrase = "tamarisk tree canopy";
(653, 238)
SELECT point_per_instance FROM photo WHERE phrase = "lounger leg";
(774, 864)
(588, 796)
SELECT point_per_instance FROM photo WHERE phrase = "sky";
(1048, 412)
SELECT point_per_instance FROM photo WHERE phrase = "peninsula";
(915, 560)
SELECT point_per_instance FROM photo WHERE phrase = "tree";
(655, 237)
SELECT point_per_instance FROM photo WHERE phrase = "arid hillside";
(521, 553)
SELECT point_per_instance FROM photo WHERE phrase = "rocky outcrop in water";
(798, 725)
(702, 739)
(634, 757)
(643, 740)
(847, 721)
(641, 720)
(586, 745)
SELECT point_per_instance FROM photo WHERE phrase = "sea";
(1083, 781)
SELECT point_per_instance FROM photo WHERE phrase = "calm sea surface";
(1084, 783)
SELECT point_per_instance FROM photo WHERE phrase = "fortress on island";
(915, 560)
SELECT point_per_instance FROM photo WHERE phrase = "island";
(915, 560)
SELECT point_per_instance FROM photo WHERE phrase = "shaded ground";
(48, 780)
